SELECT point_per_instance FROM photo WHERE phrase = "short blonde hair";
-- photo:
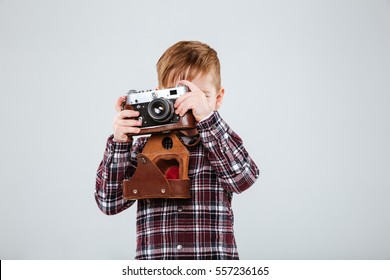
(186, 60)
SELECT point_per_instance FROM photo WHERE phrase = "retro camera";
(156, 109)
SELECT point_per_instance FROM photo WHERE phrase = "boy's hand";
(194, 100)
(123, 124)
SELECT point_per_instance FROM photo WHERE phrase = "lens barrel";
(160, 110)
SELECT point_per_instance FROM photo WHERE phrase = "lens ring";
(160, 109)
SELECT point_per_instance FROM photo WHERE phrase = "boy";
(200, 227)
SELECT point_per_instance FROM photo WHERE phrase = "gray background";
(307, 88)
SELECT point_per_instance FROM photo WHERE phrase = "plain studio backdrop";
(307, 88)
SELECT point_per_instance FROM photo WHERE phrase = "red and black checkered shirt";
(197, 228)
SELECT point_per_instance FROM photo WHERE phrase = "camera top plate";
(143, 96)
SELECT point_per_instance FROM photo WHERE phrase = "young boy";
(200, 227)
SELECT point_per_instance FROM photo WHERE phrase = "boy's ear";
(220, 96)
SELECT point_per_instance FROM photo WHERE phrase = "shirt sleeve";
(119, 162)
(227, 155)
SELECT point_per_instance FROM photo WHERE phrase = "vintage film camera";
(157, 113)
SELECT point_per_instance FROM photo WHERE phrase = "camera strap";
(188, 141)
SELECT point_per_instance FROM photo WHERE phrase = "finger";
(118, 104)
(132, 129)
(190, 85)
(121, 134)
(183, 108)
(128, 122)
(128, 114)
(181, 99)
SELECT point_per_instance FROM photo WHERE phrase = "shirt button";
(179, 247)
(179, 209)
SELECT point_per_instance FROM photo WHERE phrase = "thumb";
(118, 104)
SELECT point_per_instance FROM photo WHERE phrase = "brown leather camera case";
(161, 152)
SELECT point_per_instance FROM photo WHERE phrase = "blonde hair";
(186, 60)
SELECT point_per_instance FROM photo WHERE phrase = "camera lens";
(161, 110)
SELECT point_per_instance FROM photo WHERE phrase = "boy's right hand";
(124, 122)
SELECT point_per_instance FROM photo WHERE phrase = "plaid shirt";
(197, 228)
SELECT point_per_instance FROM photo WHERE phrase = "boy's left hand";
(194, 100)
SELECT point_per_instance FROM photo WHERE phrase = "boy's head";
(186, 60)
